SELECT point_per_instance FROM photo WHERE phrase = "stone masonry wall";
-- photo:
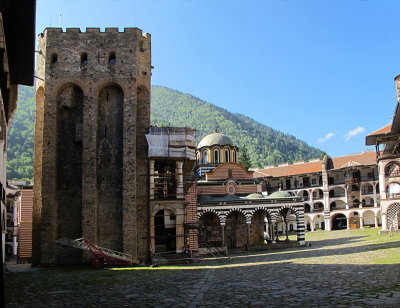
(93, 110)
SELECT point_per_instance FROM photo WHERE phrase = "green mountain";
(265, 146)
(21, 136)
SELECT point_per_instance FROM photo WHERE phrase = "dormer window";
(111, 58)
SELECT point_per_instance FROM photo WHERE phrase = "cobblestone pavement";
(339, 271)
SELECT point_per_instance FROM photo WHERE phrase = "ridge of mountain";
(265, 146)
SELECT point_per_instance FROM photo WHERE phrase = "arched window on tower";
(234, 156)
(216, 156)
(205, 157)
(227, 156)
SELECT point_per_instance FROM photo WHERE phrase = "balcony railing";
(367, 179)
(392, 174)
(367, 192)
(368, 205)
(337, 196)
(393, 196)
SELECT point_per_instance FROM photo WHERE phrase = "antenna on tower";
(59, 20)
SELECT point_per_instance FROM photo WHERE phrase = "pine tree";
(244, 158)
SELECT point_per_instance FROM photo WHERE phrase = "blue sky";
(319, 70)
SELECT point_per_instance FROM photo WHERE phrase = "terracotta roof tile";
(309, 167)
(367, 158)
(383, 130)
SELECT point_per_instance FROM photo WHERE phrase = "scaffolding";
(172, 142)
(101, 255)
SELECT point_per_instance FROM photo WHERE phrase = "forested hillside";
(21, 135)
(265, 146)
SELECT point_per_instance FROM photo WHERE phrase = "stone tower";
(92, 114)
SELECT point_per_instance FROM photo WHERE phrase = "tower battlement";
(128, 30)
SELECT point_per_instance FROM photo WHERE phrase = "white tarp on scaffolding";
(158, 145)
(173, 142)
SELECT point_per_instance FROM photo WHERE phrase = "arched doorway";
(210, 231)
(354, 220)
(368, 219)
(393, 216)
(287, 223)
(319, 222)
(259, 228)
(235, 230)
(165, 231)
(339, 222)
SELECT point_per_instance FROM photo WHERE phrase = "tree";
(244, 158)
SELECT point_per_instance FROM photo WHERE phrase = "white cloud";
(354, 132)
(327, 136)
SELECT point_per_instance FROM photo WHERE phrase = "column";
(327, 224)
(152, 236)
(346, 197)
(271, 231)
(151, 179)
(384, 222)
(223, 234)
(312, 225)
(311, 201)
(180, 230)
(248, 234)
(361, 223)
(376, 221)
(286, 230)
(273, 235)
(382, 182)
(348, 223)
(374, 190)
(179, 180)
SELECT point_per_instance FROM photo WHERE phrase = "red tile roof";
(383, 130)
(367, 158)
(309, 167)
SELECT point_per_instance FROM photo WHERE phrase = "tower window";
(227, 156)
(54, 58)
(84, 58)
(111, 58)
(234, 156)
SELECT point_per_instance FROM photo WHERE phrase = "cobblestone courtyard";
(349, 268)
